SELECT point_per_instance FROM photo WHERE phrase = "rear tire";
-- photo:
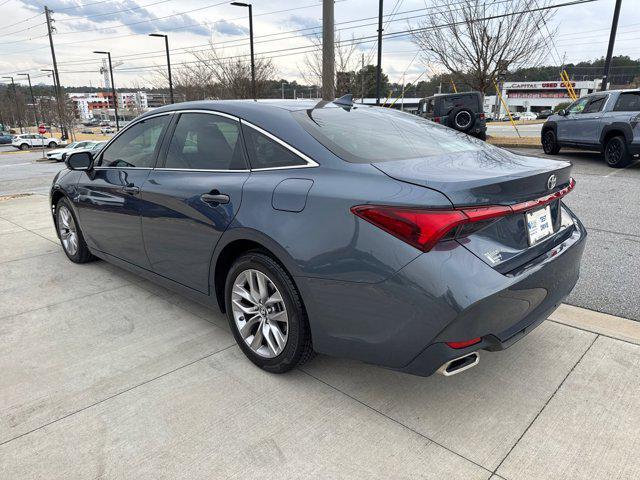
(616, 153)
(550, 143)
(52, 145)
(71, 238)
(272, 308)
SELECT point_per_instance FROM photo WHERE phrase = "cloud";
(136, 18)
(224, 27)
(304, 22)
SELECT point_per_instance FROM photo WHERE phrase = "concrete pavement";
(108, 376)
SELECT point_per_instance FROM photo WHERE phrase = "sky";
(122, 27)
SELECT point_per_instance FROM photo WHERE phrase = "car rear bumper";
(445, 295)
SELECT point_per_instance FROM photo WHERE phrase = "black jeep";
(461, 111)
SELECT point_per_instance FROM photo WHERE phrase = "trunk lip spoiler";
(539, 202)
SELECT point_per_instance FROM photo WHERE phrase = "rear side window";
(265, 152)
(136, 146)
(204, 141)
(628, 102)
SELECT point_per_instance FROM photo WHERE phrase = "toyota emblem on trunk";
(551, 182)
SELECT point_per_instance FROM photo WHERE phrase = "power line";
(113, 12)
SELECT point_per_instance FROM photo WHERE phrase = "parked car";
(354, 231)
(86, 130)
(603, 121)
(5, 138)
(528, 116)
(57, 153)
(543, 114)
(93, 149)
(106, 130)
(30, 140)
(461, 111)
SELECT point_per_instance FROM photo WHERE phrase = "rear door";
(193, 195)
(109, 202)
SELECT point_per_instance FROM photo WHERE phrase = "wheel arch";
(549, 126)
(238, 241)
(615, 129)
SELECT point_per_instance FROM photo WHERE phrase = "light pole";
(253, 66)
(113, 88)
(33, 99)
(166, 44)
(55, 87)
(612, 41)
(15, 99)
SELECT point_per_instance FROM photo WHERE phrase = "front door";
(109, 202)
(590, 120)
(569, 125)
(193, 195)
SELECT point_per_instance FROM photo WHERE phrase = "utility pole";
(612, 41)
(33, 99)
(166, 45)
(56, 76)
(362, 81)
(253, 65)
(379, 67)
(282, 86)
(113, 88)
(328, 52)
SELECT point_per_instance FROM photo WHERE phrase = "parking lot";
(109, 376)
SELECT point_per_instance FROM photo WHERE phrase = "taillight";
(436, 119)
(424, 228)
(481, 116)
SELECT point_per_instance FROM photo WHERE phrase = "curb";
(514, 145)
(596, 322)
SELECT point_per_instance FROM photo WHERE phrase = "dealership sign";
(536, 85)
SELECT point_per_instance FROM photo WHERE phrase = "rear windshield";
(378, 134)
(465, 101)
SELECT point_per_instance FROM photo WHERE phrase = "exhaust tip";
(460, 364)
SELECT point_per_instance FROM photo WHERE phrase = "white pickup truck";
(30, 140)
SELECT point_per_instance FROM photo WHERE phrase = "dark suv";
(460, 111)
(605, 121)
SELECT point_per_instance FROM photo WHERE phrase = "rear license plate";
(539, 224)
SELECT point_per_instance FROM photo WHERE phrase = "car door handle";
(214, 198)
(131, 189)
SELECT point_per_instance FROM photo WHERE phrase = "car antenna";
(345, 100)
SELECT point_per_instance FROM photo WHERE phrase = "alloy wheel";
(67, 230)
(614, 152)
(260, 313)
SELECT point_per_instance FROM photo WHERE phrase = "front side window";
(578, 106)
(267, 153)
(203, 141)
(628, 102)
(137, 145)
(595, 105)
(374, 134)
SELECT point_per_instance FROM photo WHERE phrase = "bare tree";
(345, 63)
(474, 39)
(211, 75)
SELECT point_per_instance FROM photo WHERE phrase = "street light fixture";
(166, 44)
(33, 99)
(113, 87)
(15, 99)
(253, 67)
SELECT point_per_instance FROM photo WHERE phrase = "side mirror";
(79, 161)
(562, 112)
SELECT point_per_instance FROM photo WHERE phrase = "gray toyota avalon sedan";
(354, 231)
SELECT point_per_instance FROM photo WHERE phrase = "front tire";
(24, 146)
(550, 143)
(70, 234)
(616, 153)
(266, 313)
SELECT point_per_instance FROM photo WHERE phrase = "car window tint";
(579, 105)
(267, 153)
(595, 105)
(374, 134)
(463, 101)
(205, 142)
(136, 146)
(628, 102)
